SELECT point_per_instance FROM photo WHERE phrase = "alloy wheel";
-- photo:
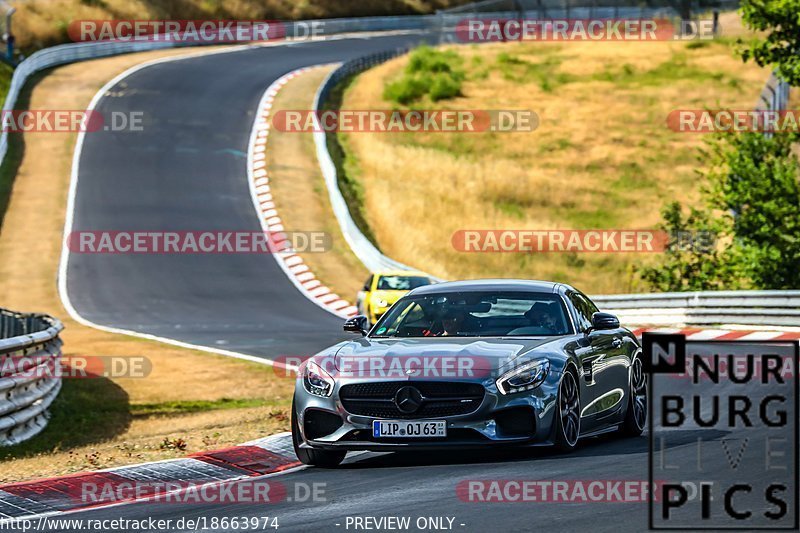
(569, 405)
(639, 393)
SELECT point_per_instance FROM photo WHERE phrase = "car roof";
(490, 285)
(401, 273)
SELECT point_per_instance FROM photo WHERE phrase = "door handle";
(616, 343)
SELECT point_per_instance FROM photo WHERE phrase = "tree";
(752, 193)
(781, 47)
(688, 267)
(751, 200)
(755, 182)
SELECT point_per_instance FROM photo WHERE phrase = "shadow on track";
(600, 446)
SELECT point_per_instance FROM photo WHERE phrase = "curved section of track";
(186, 171)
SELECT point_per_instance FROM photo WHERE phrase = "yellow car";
(383, 289)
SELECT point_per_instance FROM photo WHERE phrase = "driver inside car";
(541, 315)
(450, 325)
(453, 322)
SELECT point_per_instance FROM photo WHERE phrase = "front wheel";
(322, 458)
(568, 421)
(636, 415)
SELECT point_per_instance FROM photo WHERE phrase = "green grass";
(5, 79)
(13, 158)
(511, 208)
(85, 411)
(675, 69)
(544, 70)
(544, 73)
(94, 410)
(195, 406)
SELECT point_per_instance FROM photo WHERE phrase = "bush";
(444, 87)
(407, 89)
(426, 59)
(437, 74)
(752, 205)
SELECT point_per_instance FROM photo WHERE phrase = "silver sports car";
(472, 364)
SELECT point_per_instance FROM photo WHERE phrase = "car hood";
(484, 356)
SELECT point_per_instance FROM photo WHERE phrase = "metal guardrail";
(372, 258)
(774, 97)
(751, 308)
(548, 6)
(30, 359)
(448, 20)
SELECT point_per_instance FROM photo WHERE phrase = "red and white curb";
(699, 334)
(291, 263)
(43, 497)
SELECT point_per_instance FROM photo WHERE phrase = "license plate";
(411, 429)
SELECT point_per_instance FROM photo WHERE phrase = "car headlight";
(526, 377)
(380, 302)
(316, 381)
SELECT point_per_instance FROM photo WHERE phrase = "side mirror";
(604, 321)
(357, 324)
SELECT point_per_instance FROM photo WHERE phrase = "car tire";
(568, 420)
(636, 413)
(321, 458)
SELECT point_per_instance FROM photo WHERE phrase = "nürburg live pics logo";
(723, 435)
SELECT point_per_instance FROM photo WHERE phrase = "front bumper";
(521, 419)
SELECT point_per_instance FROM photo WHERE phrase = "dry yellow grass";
(300, 194)
(125, 420)
(602, 156)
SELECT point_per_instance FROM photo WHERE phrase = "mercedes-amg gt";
(472, 364)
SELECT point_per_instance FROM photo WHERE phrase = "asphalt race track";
(426, 484)
(186, 171)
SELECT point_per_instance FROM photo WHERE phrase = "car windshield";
(401, 283)
(475, 314)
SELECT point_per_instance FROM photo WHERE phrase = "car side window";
(583, 307)
(589, 304)
(367, 284)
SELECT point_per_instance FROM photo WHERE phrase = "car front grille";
(439, 399)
